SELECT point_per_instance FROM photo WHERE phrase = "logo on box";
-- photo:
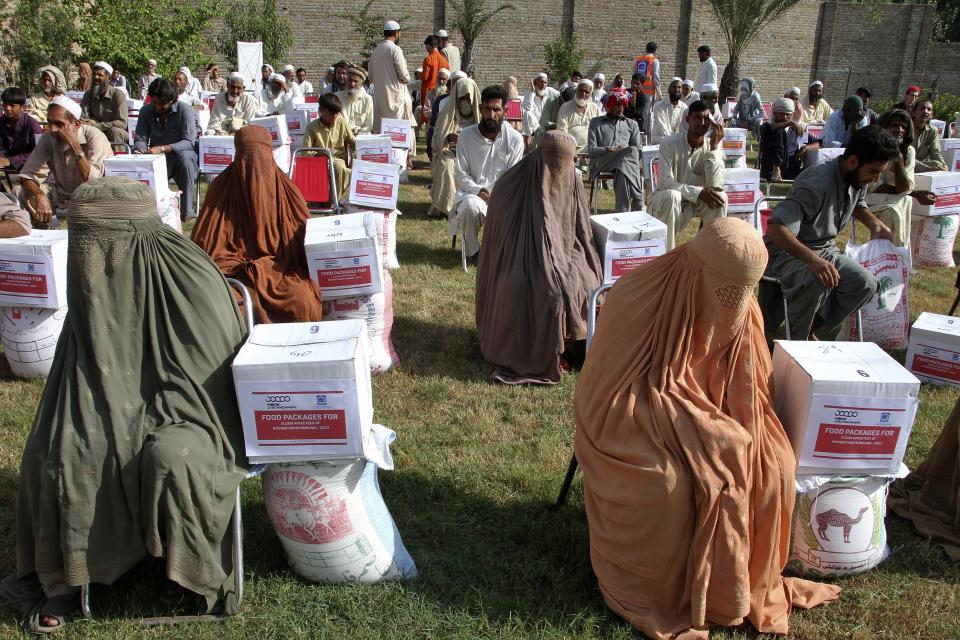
(321, 400)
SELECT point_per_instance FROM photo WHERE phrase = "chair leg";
(453, 245)
(565, 489)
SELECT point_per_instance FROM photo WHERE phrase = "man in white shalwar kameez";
(232, 107)
(575, 116)
(389, 74)
(691, 174)
(275, 99)
(357, 104)
(534, 101)
(484, 152)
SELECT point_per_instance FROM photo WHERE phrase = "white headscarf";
(103, 65)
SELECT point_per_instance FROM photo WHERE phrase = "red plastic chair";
(312, 98)
(314, 176)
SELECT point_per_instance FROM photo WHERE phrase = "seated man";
(534, 101)
(289, 74)
(866, 95)
(710, 96)
(306, 87)
(212, 80)
(182, 82)
(689, 95)
(574, 81)
(338, 77)
(356, 102)
(484, 152)
(18, 130)
(143, 84)
(14, 220)
(781, 156)
(71, 152)
(841, 124)
(232, 108)
(691, 174)
(537, 268)
(137, 449)
(193, 85)
(926, 140)
(118, 80)
(574, 116)
(599, 96)
(613, 144)
(167, 127)
(794, 94)
(457, 113)
(252, 226)
(822, 286)
(52, 84)
(816, 110)
(668, 115)
(105, 107)
(748, 112)
(674, 417)
(331, 131)
(455, 77)
(275, 99)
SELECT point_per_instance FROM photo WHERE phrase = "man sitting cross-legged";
(821, 285)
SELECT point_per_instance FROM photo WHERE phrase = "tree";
(562, 57)
(944, 222)
(471, 18)
(256, 21)
(127, 34)
(741, 21)
(883, 284)
(369, 26)
(42, 32)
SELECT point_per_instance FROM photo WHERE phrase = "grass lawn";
(476, 468)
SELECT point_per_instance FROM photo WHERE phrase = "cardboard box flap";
(628, 225)
(836, 361)
(331, 334)
(348, 226)
(40, 242)
(938, 324)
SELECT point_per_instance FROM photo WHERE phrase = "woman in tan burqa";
(688, 474)
(537, 265)
(930, 496)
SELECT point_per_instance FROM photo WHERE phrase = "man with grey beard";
(232, 108)
(105, 107)
(575, 116)
(356, 102)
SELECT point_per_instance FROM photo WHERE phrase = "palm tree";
(470, 18)
(882, 285)
(741, 22)
(943, 222)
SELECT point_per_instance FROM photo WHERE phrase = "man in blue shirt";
(166, 126)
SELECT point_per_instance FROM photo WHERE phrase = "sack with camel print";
(886, 316)
(838, 525)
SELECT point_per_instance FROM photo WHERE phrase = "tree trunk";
(467, 54)
(729, 82)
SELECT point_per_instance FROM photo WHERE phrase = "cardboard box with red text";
(946, 186)
(627, 240)
(149, 169)
(343, 255)
(33, 270)
(933, 353)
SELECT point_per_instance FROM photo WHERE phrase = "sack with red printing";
(386, 224)
(377, 311)
(886, 316)
(932, 240)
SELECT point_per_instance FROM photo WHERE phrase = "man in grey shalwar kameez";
(613, 145)
(822, 286)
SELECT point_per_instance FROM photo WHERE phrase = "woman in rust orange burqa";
(688, 474)
(252, 224)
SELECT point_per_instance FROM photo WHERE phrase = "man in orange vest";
(648, 66)
(432, 63)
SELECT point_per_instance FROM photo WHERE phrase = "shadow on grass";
(435, 349)
(445, 257)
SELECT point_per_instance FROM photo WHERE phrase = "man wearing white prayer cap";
(275, 99)
(540, 99)
(450, 52)
(668, 115)
(599, 96)
(104, 107)
(794, 94)
(232, 108)
(688, 95)
(710, 94)
(290, 75)
(388, 73)
(815, 108)
(65, 157)
(145, 80)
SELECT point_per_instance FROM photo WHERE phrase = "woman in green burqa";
(136, 449)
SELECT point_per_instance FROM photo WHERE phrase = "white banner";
(249, 62)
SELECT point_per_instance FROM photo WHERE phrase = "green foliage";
(946, 107)
(369, 26)
(41, 33)
(881, 106)
(471, 18)
(127, 34)
(562, 57)
(256, 21)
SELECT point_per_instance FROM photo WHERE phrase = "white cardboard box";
(297, 121)
(134, 105)
(374, 184)
(933, 354)
(734, 142)
(343, 255)
(400, 132)
(626, 241)
(939, 125)
(304, 391)
(821, 155)
(312, 109)
(374, 148)
(813, 131)
(728, 107)
(949, 144)
(277, 126)
(952, 158)
(946, 184)
(742, 187)
(33, 270)
(216, 153)
(847, 407)
(149, 169)
(201, 118)
(649, 154)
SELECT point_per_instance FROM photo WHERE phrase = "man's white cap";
(708, 88)
(288, 67)
(584, 82)
(443, 33)
(688, 83)
(100, 64)
(795, 90)
(676, 79)
(330, 69)
(152, 61)
(391, 25)
(444, 72)
(458, 75)
(599, 76)
(815, 82)
(277, 77)
(540, 75)
(236, 75)
(69, 105)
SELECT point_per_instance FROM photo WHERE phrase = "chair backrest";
(314, 176)
(654, 173)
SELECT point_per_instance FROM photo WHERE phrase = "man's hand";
(710, 196)
(484, 195)
(881, 231)
(613, 149)
(923, 197)
(716, 135)
(42, 211)
(157, 151)
(68, 134)
(4, 162)
(452, 138)
(826, 273)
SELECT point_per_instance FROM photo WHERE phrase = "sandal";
(62, 609)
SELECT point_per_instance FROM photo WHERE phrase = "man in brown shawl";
(136, 449)
(460, 110)
(252, 224)
(688, 473)
(537, 265)
(930, 496)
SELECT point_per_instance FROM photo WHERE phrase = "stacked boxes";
(627, 240)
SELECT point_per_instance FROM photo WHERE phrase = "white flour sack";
(932, 239)
(838, 525)
(886, 316)
(386, 223)
(30, 338)
(377, 311)
(333, 523)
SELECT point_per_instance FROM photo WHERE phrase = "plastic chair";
(591, 327)
(236, 524)
(595, 192)
(125, 148)
(314, 176)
